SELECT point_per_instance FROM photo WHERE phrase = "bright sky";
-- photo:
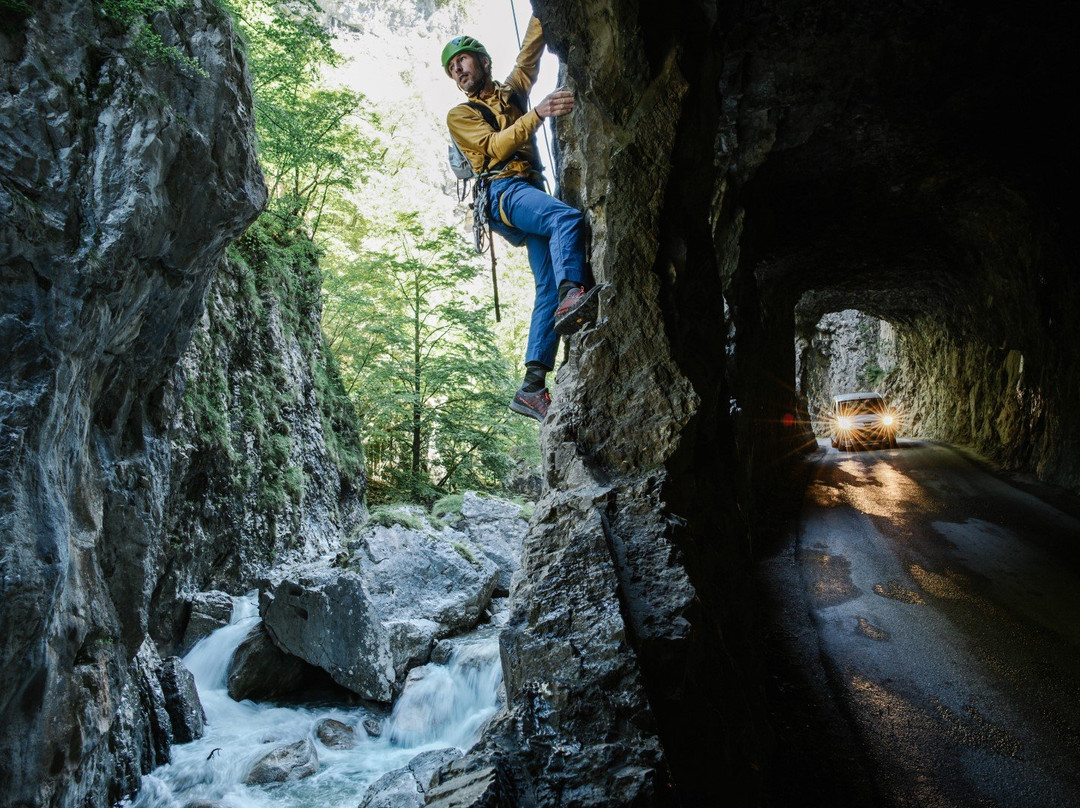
(402, 72)
(387, 68)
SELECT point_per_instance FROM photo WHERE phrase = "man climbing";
(495, 133)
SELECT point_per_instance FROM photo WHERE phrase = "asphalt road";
(930, 613)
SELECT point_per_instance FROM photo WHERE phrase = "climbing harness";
(481, 184)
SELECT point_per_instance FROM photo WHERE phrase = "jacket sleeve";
(524, 74)
(477, 139)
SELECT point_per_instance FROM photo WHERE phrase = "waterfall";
(441, 706)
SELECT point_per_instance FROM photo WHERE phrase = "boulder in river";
(261, 670)
(291, 762)
(181, 701)
(335, 734)
(405, 787)
(367, 625)
(496, 527)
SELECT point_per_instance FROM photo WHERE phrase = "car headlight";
(887, 420)
(844, 422)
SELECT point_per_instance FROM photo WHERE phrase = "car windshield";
(860, 406)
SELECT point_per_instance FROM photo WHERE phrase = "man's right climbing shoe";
(535, 405)
(577, 309)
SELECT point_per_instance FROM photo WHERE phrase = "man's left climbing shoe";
(535, 405)
(577, 309)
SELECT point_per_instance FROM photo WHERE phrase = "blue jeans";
(554, 235)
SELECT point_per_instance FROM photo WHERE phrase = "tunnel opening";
(843, 352)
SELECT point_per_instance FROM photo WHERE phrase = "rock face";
(266, 461)
(209, 611)
(368, 624)
(746, 170)
(181, 701)
(122, 183)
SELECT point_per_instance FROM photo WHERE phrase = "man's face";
(468, 71)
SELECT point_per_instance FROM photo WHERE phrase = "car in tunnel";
(862, 420)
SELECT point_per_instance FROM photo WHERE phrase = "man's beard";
(475, 82)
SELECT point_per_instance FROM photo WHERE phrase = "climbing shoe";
(535, 405)
(577, 309)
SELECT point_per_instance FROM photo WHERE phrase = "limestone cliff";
(266, 460)
(629, 674)
(122, 182)
(737, 164)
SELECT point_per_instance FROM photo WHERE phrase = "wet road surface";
(941, 606)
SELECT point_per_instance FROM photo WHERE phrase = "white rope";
(544, 126)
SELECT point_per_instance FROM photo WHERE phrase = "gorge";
(744, 168)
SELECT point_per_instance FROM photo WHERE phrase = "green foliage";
(422, 365)
(206, 397)
(447, 506)
(527, 508)
(15, 8)
(408, 358)
(871, 376)
(148, 44)
(246, 428)
(311, 144)
(466, 552)
(398, 514)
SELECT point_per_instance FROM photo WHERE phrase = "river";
(446, 707)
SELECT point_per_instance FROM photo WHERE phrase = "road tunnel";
(746, 169)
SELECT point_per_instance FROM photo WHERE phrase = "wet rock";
(147, 728)
(440, 654)
(209, 612)
(335, 734)
(260, 670)
(406, 787)
(396, 789)
(465, 784)
(293, 762)
(496, 527)
(368, 625)
(372, 725)
(182, 701)
(124, 180)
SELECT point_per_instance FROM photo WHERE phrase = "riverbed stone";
(335, 734)
(463, 785)
(406, 787)
(368, 624)
(182, 701)
(259, 670)
(291, 762)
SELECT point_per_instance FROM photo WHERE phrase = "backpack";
(464, 172)
(459, 163)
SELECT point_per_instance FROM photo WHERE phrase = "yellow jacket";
(476, 139)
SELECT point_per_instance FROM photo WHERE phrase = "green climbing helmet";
(460, 44)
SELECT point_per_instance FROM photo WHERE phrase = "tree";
(315, 144)
(422, 365)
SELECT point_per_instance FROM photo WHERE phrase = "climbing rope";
(544, 127)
